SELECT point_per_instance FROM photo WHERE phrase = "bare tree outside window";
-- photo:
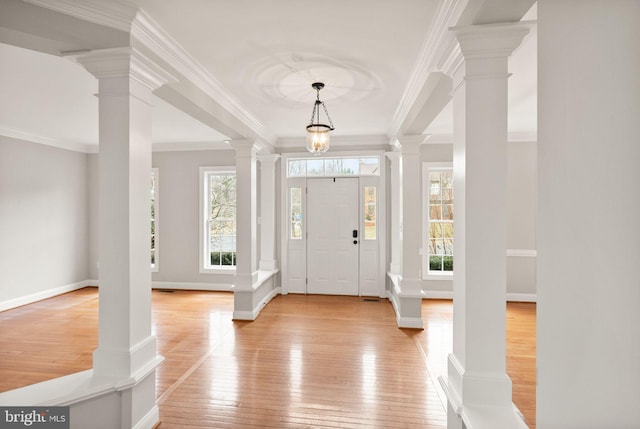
(222, 219)
(440, 217)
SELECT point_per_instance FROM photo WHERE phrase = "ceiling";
(266, 55)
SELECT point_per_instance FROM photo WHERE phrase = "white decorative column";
(268, 260)
(479, 390)
(588, 229)
(246, 231)
(126, 349)
(409, 293)
(396, 189)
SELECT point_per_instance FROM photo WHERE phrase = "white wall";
(588, 330)
(44, 227)
(178, 214)
(521, 217)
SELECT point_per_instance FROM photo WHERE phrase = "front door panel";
(332, 251)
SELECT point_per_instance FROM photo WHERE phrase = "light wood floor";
(307, 361)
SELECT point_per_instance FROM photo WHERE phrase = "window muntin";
(331, 167)
(295, 208)
(370, 212)
(219, 219)
(439, 220)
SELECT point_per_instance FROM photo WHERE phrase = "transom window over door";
(438, 227)
(218, 218)
(334, 167)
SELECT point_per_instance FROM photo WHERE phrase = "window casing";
(218, 219)
(438, 221)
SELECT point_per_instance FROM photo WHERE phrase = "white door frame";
(373, 255)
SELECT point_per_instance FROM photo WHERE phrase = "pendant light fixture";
(318, 139)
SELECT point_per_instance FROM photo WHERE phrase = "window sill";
(439, 276)
(221, 271)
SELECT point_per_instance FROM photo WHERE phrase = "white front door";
(332, 249)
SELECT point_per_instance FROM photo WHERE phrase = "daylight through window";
(440, 219)
(220, 221)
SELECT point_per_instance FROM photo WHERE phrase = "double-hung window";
(437, 182)
(218, 218)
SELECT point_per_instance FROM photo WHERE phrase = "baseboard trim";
(522, 253)
(150, 420)
(522, 297)
(438, 294)
(214, 287)
(253, 315)
(511, 297)
(410, 322)
(39, 296)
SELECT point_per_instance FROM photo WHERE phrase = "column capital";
(491, 40)
(393, 156)
(482, 41)
(123, 63)
(244, 147)
(268, 158)
(412, 143)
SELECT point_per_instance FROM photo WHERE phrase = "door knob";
(355, 241)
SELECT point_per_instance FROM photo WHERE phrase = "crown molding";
(189, 146)
(47, 141)
(451, 59)
(361, 140)
(121, 15)
(8, 133)
(437, 38)
(125, 62)
(116, 14)
(512, 137)
(148, 33)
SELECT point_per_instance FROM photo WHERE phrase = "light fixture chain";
(328, 117)
(313, 114)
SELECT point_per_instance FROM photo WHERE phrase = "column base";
(97, 402)
(406, 297)
(249, 302)
(125, 362)
(479, 401)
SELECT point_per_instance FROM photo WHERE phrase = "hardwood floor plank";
(307, 361)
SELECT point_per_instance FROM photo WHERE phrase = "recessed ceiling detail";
(286, 78)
